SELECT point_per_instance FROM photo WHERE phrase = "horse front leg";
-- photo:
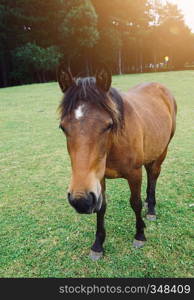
(97, 248)
(135, 180)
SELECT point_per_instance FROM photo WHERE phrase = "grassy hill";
(42, 236)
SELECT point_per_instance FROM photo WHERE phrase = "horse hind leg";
(153, 171)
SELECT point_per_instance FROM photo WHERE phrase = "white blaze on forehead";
(79, 112)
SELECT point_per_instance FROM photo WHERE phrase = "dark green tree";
(36, 59)
(78, 30)
(127, 35)
(120, 25)
(171, 37)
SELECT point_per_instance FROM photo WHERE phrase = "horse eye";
(62, 128)
(110, 126)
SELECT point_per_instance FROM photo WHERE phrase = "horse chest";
(117, 165)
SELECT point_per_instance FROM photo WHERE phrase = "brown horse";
(113, 135)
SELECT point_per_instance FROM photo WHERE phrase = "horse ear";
(64, 78)
(104, 78)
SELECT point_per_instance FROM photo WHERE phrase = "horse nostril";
(69, 197)
(93, 197)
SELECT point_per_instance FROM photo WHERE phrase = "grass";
(42, 236)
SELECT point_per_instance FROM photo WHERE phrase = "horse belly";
(156, 139)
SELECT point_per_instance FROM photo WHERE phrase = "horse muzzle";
(86, 204)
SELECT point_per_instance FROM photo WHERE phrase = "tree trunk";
(44, 76)
(155, 60)
(120, 61)
(39, 77)
(136, 63)
(69, 63)
(87, 65)
(171, 59)
(3, 68)
(90, 68)
(141, 61)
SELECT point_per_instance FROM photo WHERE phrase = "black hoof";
(95, 255)
(151, 217)
(138, 244)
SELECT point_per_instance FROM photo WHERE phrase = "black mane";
(85, 89)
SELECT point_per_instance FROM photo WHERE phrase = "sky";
(187, 7)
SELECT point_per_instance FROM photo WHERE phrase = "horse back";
(152, 95)
(154, 118)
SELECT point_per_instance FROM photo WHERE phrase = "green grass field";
(42, 236)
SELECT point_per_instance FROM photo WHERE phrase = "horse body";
(113, 135)
(149, 124)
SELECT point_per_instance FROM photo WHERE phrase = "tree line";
(128, 36)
